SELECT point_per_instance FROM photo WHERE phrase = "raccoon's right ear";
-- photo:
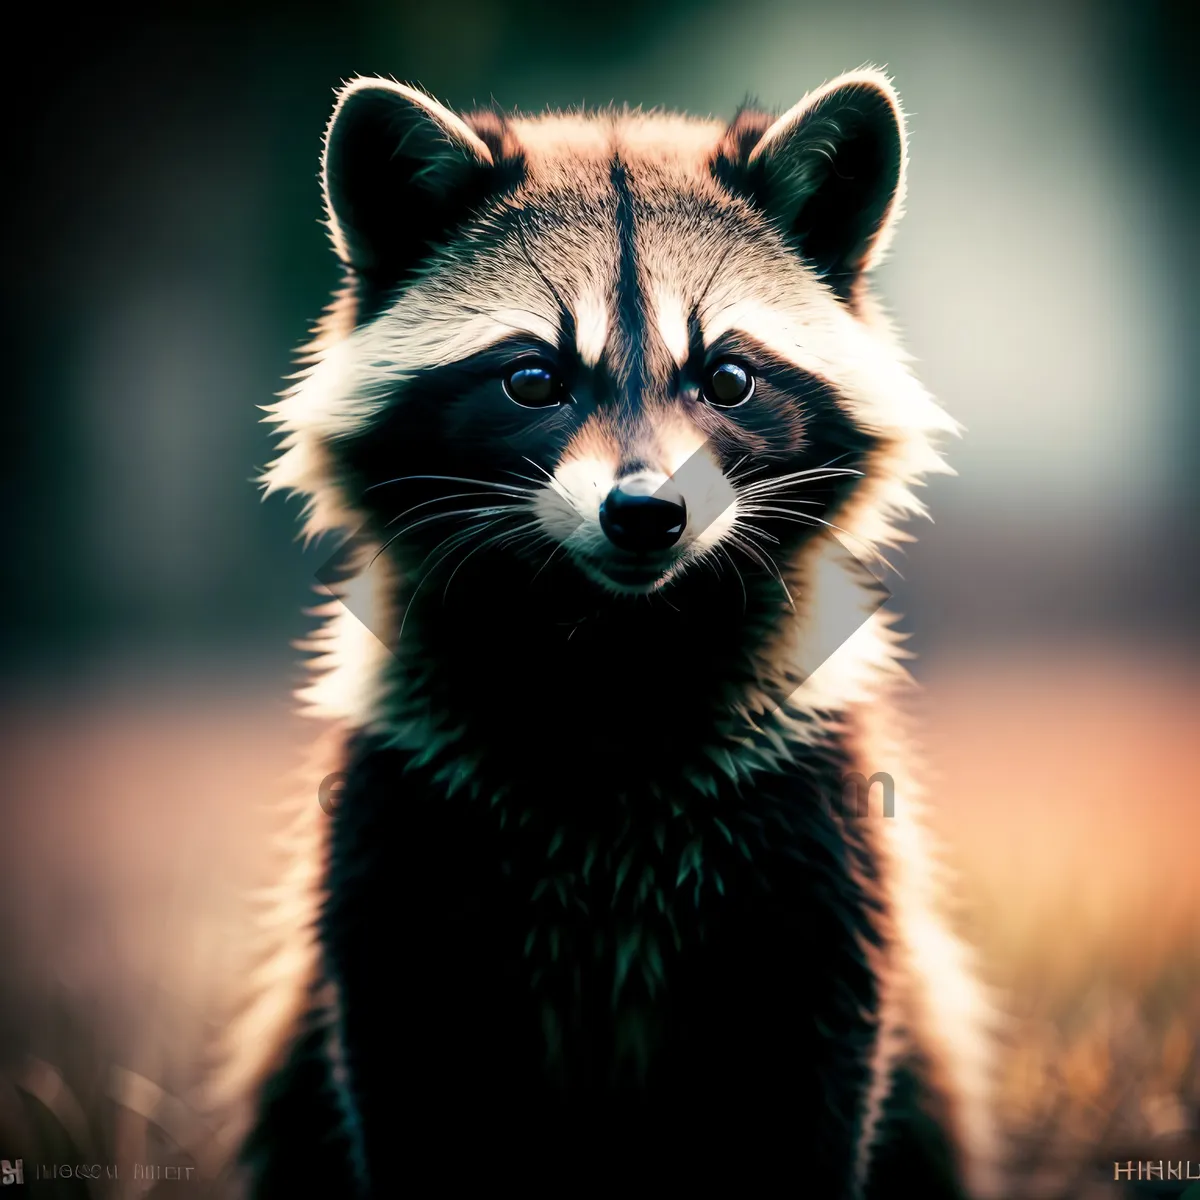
(399, 171)
(830, 171)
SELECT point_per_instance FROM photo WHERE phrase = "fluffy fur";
(584, 900)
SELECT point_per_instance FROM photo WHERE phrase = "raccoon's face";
(630, 347)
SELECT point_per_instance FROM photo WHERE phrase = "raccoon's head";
(622, 348)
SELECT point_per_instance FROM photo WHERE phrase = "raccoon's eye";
(534, 385)
(728, 384)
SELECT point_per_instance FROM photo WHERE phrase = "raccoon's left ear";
(830, 171)
(399, 171)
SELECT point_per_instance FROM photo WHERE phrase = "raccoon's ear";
(399, 170)
(830, 171)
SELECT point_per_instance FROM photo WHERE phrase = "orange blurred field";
(1063, 789)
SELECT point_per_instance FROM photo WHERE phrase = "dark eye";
(535, 385)
(728, 384)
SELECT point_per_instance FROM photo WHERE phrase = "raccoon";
(608, 396)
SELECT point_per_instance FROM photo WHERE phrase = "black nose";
(637, 516)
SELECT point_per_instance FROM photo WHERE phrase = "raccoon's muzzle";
(643, 519)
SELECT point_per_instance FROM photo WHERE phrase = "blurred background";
(164, 260)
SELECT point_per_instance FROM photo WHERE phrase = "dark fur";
(758, 1062)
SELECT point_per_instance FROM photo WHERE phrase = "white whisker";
(458, 512)
(557, 548)
(485, 483)
(439, 499)
(455, 540)
(815, 522)
(762, 558)
(483, 545)
(780, 482)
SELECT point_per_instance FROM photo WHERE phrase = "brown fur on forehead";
(698, 251)
(665, 161)
(693, 240)
(686, 220)
(552, 243)
(557, 146)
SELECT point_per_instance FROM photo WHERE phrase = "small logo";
(1163, 1169)
(11, 1172)
(862, 793)
(330, 791)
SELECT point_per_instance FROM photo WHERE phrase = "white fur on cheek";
(569, 508)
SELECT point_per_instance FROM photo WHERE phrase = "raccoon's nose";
(639, 516)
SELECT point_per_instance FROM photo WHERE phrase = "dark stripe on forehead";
(629, 369)
(695, 335)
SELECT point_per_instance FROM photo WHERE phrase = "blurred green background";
(164, 260)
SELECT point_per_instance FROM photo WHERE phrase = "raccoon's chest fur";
(586, 941)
